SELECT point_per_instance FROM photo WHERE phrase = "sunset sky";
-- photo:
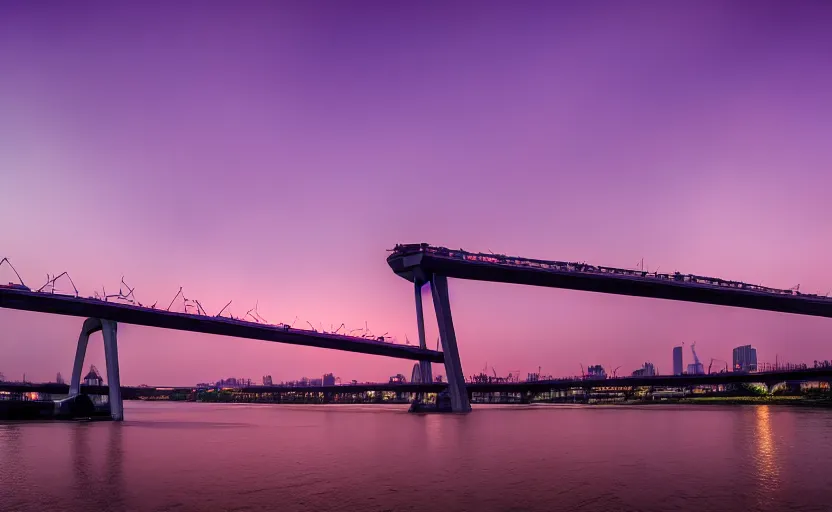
(273, 152)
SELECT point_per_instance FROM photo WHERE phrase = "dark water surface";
(203, 457)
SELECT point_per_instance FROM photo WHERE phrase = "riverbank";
(800, 401)
(49, 410)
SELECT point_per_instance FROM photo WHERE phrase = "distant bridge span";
(423, 263)
(542, 386)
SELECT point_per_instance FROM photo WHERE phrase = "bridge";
(103, 316)
(423, 263)
(531, 387)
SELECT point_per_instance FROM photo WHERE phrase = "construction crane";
(696, 363)
(6, 260)
(200, 309)
(719, 361)
(223, 308)
(130, 291)
(256, 315)
(51, 282)
(174, 298)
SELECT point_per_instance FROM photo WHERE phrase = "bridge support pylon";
(453, 366)
(426, 371)
(109, 331)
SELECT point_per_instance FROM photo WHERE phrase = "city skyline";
(647, 368)
(693, 138)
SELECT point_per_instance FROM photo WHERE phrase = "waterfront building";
(648, 370)
(329, 379)
(596, 372)
(267, 380)
(93, 378)
(745, 359)
(696, 369)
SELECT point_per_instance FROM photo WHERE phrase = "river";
(206, 457)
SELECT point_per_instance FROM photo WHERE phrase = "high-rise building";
(329, 379)
(267, 380)
(678, 361)
(745, 359)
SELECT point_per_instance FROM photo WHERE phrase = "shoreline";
(792, 401)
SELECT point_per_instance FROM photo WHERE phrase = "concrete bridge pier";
(427, 374)
(453, 367)
(109, 330)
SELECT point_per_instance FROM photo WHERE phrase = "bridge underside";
(123, 313)
(421, 263)
(412, 265)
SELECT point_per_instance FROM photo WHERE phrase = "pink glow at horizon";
(272, 152)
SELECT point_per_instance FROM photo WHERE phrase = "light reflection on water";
(194, 457)
(767, 464)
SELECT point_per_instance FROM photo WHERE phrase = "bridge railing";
(584, 268)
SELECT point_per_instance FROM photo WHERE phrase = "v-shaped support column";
(109, 330)
(453, 367)
(425, 369)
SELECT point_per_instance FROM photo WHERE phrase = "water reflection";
(768, 471)
(115, 466)
(81, 461)
(189, 457)
(98, 480)
(13, 469)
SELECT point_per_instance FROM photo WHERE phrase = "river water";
(206, 457)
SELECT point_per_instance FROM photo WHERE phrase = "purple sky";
(273, 151)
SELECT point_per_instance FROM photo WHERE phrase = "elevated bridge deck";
(12, 298)
(416, 261)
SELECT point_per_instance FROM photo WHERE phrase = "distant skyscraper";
(267, 380)
(745, 359)
(678, 362)
(329, 379)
